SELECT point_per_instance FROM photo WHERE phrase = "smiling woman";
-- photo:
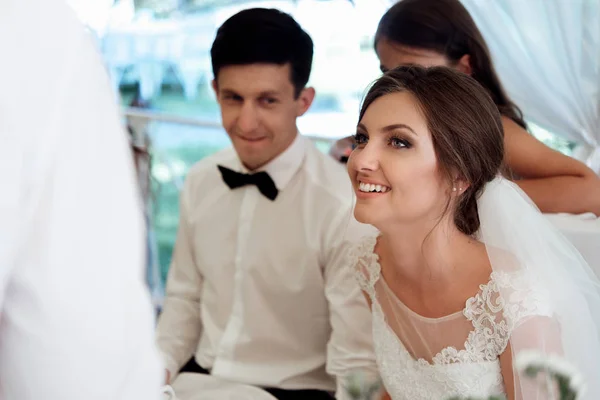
(397, 150)
(465, 272)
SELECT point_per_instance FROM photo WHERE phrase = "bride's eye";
(360, 139)
(399, 143)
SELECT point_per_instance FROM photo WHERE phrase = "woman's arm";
(538, 333)
(554, 181)
(506, 367)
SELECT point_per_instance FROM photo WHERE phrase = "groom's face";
(259, 108)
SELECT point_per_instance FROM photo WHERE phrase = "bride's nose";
(366, 158)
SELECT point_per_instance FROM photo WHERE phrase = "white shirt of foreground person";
(75, 317)
(260, 291)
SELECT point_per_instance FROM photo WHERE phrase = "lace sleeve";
(508, 301)
(523, 299)
(364, 261)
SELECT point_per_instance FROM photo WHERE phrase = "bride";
(465, 272)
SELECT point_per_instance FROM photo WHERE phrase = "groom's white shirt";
(75, 317)
(261, 292)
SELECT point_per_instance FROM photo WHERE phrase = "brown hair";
(446, 27)
(465, 126)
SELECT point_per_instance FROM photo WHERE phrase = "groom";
(259, 291)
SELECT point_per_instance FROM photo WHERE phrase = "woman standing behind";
(442, 33)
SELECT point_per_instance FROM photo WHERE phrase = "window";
(552, 140)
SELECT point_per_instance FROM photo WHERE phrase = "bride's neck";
(421, 253)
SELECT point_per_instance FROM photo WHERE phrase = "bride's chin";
(363, 215)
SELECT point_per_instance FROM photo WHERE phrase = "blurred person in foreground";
(76, 320)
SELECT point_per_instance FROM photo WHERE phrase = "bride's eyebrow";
(389, 128)
(394, 127)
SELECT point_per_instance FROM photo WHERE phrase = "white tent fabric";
(547, 53)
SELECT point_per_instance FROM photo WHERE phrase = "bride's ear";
(459, 185)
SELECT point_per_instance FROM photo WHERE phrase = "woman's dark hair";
(465, 127)
(446, 27)
(261, 35)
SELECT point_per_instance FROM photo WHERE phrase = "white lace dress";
(456, 355)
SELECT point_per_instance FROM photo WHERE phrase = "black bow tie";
(262, 180)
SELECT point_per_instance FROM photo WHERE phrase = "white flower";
(360, 385)
(552, 364)
(577, 384)
(529, 358)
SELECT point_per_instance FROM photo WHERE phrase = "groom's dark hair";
(265, 36)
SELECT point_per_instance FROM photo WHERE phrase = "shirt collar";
(283, 167)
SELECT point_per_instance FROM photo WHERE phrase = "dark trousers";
(280, 394)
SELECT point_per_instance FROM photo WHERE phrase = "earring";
(454, 189)
(460, 189)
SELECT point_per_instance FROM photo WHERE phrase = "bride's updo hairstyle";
(465, 127)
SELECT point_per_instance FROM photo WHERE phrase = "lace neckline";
(494, 312)
(464, 311)
(443, 318)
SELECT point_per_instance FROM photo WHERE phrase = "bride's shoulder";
(510, 275)
(364, 247)
(361, 237)
(365, 261)
(521, 294)
(514, 289)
